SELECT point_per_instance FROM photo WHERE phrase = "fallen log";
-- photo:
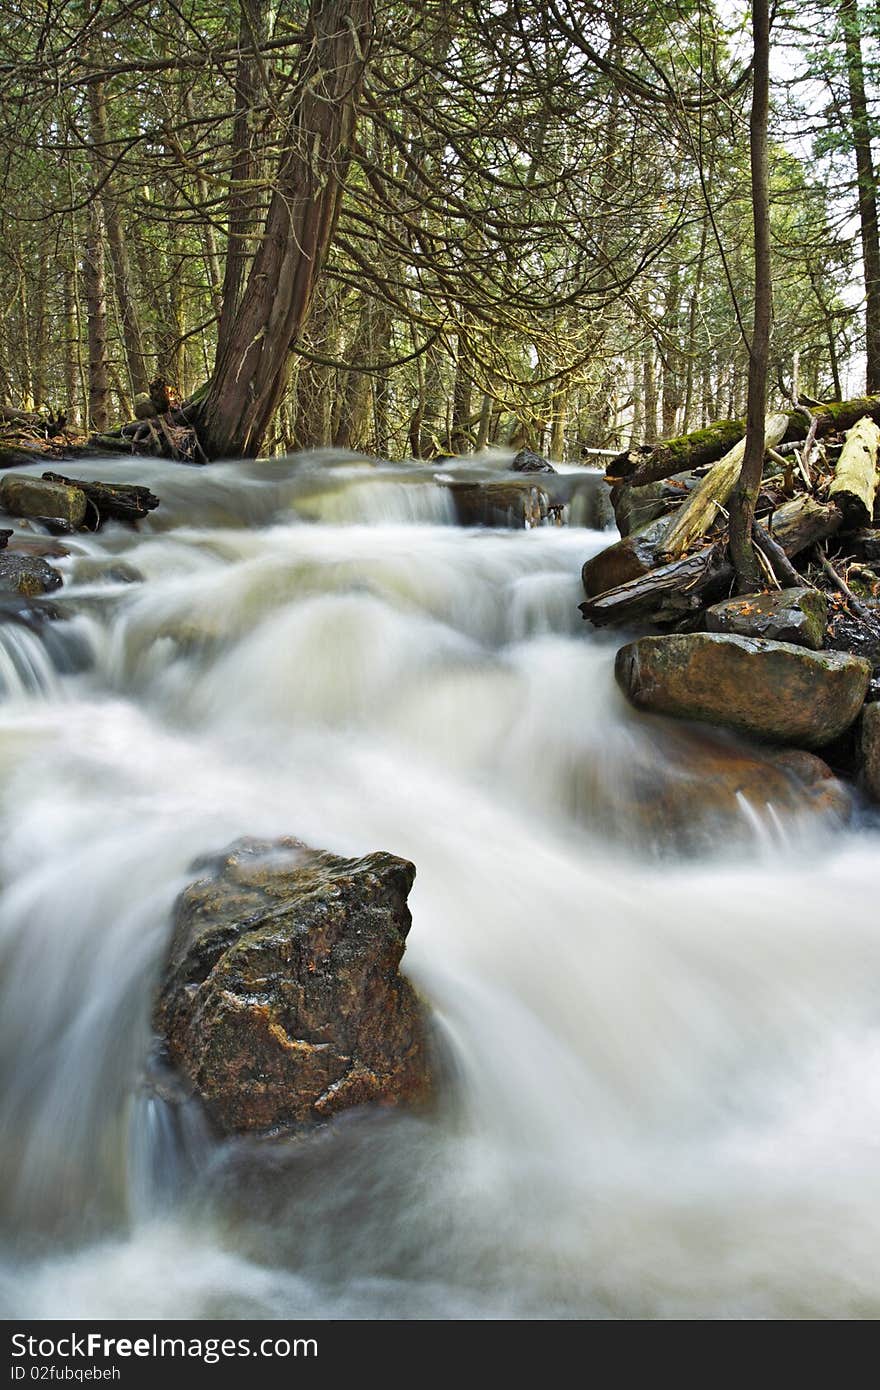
(653, 463)
(713, 492)
(683, 586)
(667, 593)
(125, 502)
(804, 521)
(782, 568)
(855, 476)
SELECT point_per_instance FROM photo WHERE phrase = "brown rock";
(626, 559)
(281, 1001)
(698, 789)
(506, 504)
(772, 690)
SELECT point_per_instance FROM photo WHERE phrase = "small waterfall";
(663, 1052)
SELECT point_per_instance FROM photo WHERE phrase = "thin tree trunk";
(96, 300)
(868, 223)
(485, 425)
(649, 394)
(461, 440)
(123, 279)
(742, 510)
(71, 347)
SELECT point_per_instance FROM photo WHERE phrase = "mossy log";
(713, 492)
(125, 502)
(652, 463)
(855, 476)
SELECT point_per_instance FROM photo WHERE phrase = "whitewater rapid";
(664, 1072)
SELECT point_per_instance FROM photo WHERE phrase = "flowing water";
(663, 1096)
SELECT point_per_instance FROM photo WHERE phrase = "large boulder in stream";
(771, 690)
(281, 1001)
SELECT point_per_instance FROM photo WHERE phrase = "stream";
(662, 1080)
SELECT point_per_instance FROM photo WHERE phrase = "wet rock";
(27, 575)
(506, 504)
(771, 690)
(636, 507)
(281, 1001)
(526, 461)
(22, 495)
(869, 751)
(627, 559)
(784, 615)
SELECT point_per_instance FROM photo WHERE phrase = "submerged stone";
(500, 504)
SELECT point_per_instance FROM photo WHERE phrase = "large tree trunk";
(868, 224)
(742, 508)
(244, 192)
(251, 370)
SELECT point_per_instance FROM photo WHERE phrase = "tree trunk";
(649, 394)
(96, 301)
(868, 224)
(244, 192)
(123, 279)
(742, 509)
(251, 370)
(460, 439)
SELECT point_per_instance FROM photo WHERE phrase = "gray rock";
(771, 690)
(527, 461)
(784, 615)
